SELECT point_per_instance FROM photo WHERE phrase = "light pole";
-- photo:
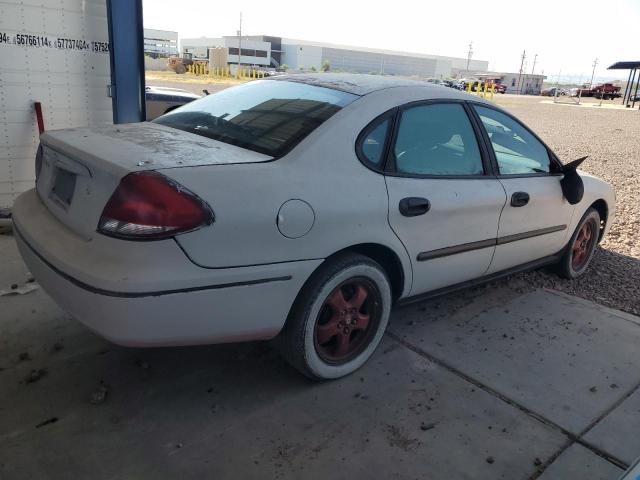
(469, 55)
(535, 58)
(595, 62)
(524, 55)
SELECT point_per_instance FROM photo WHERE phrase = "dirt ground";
(611, 139)
(189, 82)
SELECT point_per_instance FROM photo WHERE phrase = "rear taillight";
(38, 166)
(149, 206)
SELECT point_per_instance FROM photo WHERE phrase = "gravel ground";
(611, 138)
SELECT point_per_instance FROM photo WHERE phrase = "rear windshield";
(266, 116)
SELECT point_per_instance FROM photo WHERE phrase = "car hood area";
(145, 146)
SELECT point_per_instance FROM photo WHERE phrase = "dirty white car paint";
(311, 232)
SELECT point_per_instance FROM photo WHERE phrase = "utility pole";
(524, 55)
(533, 69)
(595, 62)
(469, 55)
(523, 88)
(239, 46)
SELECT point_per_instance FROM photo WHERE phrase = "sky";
(567, 36)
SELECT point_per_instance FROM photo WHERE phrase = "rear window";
(266, 116)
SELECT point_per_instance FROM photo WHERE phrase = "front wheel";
(582, 246)
(338, 319)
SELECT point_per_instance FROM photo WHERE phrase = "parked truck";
(605, 91)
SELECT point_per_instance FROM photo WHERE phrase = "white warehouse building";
(254, 51)
(269, 51)
(160, 43)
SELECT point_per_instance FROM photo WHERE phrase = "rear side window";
(517, 150)
(266, 116)
(373, 142)
(437, 139)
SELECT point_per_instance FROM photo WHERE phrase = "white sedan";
(299, 208)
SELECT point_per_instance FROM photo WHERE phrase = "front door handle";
(414, 206)
(519, 199)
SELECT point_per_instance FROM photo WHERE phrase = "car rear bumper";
(150, 293)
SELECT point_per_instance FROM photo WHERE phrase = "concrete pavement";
(493, 382)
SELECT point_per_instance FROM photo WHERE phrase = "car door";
(534, 221)
(442, 205)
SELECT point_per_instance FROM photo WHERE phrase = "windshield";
(266, 116)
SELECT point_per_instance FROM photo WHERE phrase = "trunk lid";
(81, 167)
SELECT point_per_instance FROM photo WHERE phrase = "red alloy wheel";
(347, 320)
(582, 245)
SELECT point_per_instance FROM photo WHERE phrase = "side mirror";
(572, 185)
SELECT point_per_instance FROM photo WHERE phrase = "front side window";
(517, 150)
(266, 116)
(437, 139)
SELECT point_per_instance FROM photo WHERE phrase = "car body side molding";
(490, 242)
(485, 279)
(464, 247)
(532, 233)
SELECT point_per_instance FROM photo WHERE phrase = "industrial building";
(160, 43)
(270, 51)
(524, 83)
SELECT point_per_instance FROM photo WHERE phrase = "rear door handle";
(519, 199)
(414, 206)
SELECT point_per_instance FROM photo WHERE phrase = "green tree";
(313, 68)
(301, 68)
(326, 66)
(284, 67)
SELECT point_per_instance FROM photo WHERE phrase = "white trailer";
(55, 53)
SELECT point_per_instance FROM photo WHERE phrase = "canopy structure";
(630, 95)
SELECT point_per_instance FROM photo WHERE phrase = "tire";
(324, 342)
(581, 247)
(180, 69)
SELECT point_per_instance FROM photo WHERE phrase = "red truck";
(498, 87)
(605, 91)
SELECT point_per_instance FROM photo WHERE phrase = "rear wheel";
(338, 319)
(180, 69)
(581, 248)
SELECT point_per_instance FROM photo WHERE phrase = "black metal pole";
(635, 94)
(633, 79)
(626, 88)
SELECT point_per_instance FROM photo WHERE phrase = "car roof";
(356, 83)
